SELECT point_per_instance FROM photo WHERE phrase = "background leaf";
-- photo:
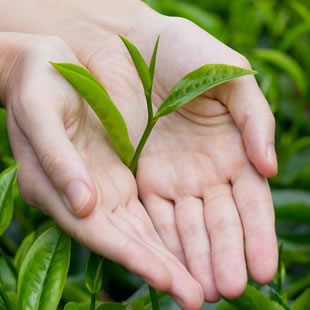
(43, 272)
(196, 83)
(7, 179)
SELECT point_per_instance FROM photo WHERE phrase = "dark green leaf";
(140, 65)
(93, 273)
(7, 179)
(99, 100)
(196, 83)
(43, 272)
(254, 300)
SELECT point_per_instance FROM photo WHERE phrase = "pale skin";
(201, 177)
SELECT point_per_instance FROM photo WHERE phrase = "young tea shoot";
(189, 87)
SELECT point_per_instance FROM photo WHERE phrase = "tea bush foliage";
(275, 36)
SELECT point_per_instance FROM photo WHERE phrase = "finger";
(253, 116)
(195, 241)
(161, 212)
(120, 239)
(253, 198)
(58, 157)
(226, 237)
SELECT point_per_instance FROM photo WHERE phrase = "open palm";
(199, 180)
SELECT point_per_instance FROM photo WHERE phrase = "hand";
(202, 174)
(70, 171)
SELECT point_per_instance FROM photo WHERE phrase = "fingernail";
(78, 195)
(271, 155)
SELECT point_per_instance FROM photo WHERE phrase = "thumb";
(252, 114)
(60, 160)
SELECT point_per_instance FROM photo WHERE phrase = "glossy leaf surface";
(7, 178)
(43, 272)
(196, 83)
(99, 100)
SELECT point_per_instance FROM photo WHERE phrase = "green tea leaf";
(93, 274)
(140, 65)
(196, 83)
(254, 300)
(153, 60)
(99, 100)
(7, 179)
(43, 272)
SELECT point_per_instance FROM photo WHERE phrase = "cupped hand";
(70, 171)
(202, 175)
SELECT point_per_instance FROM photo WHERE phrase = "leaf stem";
(134, 163)
(154, 299)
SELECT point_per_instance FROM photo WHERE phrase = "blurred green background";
(275, 36)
